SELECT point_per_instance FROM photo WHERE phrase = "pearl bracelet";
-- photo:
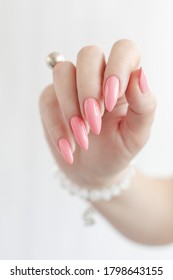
(96, 194)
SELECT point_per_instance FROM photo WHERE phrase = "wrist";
(95, 193)
(92, 181)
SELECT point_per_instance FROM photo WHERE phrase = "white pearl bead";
(106, 194)
(94, 195)
(83, 193)
(115, 190)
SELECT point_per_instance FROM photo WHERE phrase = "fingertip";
(143, 81)
(66, 150)
(138, 94)
(80, 132)
(93, 115)
(138, 81)
(111, 92)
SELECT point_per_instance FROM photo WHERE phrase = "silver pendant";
(88, 216)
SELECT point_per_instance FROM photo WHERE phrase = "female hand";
(98, 116)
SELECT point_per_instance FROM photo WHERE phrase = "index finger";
(124, 59)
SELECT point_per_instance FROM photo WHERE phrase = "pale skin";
(143, 212)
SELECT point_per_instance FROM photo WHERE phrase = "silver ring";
(53, 58)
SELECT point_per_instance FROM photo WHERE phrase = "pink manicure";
(93, 115)
(80, 132)
(142, 81)
(66, 150)
(111, 92)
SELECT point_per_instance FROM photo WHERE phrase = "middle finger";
(89, 72)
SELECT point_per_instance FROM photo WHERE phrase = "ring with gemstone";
(54, 58)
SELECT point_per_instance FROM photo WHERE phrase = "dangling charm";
(88, 216)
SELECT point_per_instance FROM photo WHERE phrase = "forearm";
(144, 212)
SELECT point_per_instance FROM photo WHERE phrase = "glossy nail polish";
(80, 132)
(66, 150)
(111, 92)
(93, 115)
(142, 81)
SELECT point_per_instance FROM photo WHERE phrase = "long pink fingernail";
(111, 92)
(80, 132)
(93, 115)
(143, 81)
(66, 150)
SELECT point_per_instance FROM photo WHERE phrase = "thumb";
(135, 127)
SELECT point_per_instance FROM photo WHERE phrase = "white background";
(38, 220)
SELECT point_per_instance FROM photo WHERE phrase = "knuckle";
(128, 46)
(89, 50)
(126, 43)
